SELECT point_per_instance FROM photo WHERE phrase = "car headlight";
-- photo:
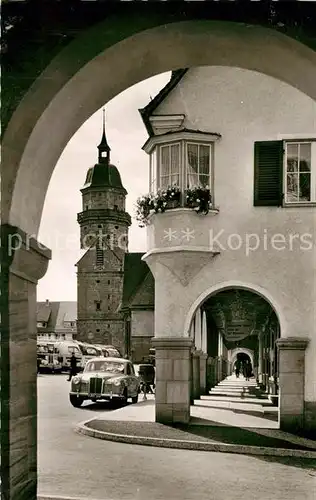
(116, 382)
(76, 380)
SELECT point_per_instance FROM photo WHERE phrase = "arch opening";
(240, 337)
(136, 58)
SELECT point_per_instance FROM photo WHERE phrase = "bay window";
(182, 159)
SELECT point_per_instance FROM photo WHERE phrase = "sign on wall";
(237, 331)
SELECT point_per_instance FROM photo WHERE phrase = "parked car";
(105, 379)
(47, 358)
(65, 349)
(109, 351)
(88, 351)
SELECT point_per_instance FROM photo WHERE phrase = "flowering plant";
(144, 205)
(164, 199)
(199, 197)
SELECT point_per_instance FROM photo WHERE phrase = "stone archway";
(243, 350)
(61, 100)
(63, 104)
(237, 314)
(234, 284)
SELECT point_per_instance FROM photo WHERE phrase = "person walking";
(73, 366)
(237, 368)
(247, 370)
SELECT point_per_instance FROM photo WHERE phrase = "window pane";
(292, 187)
(164, 181)
(305, 187)
(292, 150)
(164, 167)
(292, 157)
(192, 165)
(305, 157)
(204, 160)
(153, 186)
(175, 164)
(175, 180)
(204, 180)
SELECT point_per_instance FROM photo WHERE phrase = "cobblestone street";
(78, 466)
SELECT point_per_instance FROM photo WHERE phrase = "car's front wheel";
(125, 397)
(135, 399)
(76, 401)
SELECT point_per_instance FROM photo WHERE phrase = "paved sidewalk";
(224, 426)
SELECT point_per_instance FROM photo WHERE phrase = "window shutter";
(268, 173)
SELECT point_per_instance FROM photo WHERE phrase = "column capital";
(292, 343)
(203, 355)
(172, 342)
(22, 254)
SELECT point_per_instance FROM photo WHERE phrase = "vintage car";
(105, 379)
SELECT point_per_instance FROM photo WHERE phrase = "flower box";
(197, 198)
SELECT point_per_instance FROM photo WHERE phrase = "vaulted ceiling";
(238, 313)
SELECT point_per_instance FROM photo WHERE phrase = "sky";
(59, 229)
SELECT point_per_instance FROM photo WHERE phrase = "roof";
(67, 312)
(183, 130)
(51, 322)
(144, 296)
(148, 110)
(135, 271)
(43, 311)
(55, 313)
(103, 175)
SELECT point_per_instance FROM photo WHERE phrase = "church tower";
(104, 235)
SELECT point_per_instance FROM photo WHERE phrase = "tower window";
(109, 296)
(116, 227)
(98, 306)
(87, 207)
(97, 281)
(98, 329)
(109, 282)
(100, 227)
(115, 207)
(108, 326)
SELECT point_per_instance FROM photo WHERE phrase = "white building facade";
(251, 140)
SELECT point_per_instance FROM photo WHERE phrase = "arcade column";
(203, 356)
(173, 379)
(195, 374)
(23, 263)
(291, 382)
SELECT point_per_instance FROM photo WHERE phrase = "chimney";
(47, 302)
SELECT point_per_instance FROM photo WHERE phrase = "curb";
(57, 497)
(82, 428)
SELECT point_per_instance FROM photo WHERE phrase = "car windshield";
(104, 366)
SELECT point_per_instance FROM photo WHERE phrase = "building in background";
(56, 320)
(113, 305)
